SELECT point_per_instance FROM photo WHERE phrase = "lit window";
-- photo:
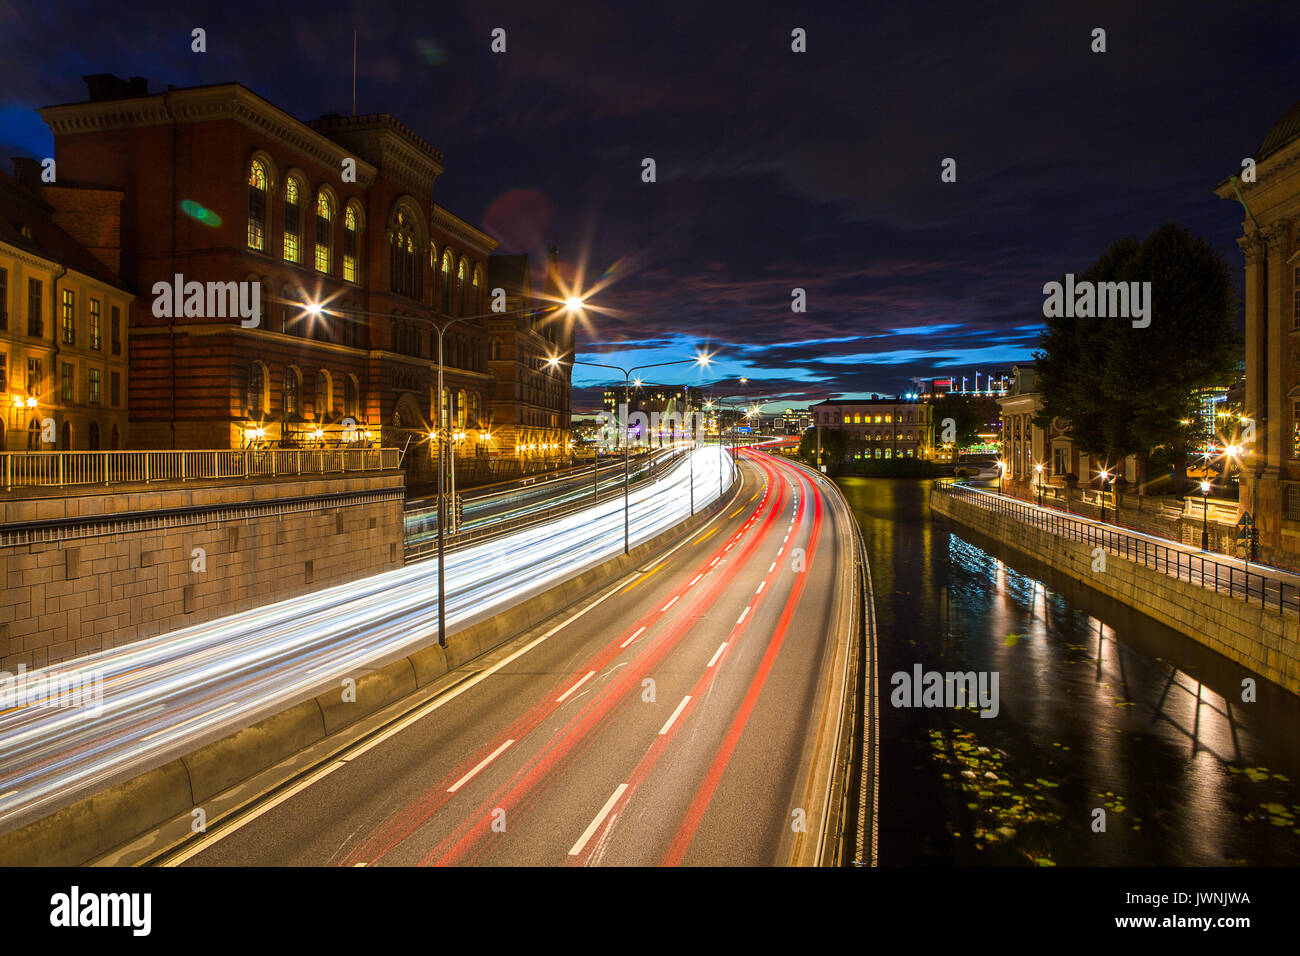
(290, 393)
(292, 221)
(69, 318)
(446, 281)
(93, 396)
(94, 324)
(324, 214)
(257, 205)
(350, 225)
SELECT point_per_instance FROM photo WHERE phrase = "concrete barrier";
(94, 825)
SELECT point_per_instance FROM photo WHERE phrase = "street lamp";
(1038, 472)
(1105, 477)
(1002, 470)
(701, 360)
(1205, 516)
(316, 309)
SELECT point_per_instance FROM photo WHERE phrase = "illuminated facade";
(63, 336)
(879, 428)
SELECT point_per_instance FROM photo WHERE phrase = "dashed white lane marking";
(486, 760)
(600, 818)
(716, 654)
(761, 585)
(782, 551)
(670, 603)
(694, 579)
(664, 729)
(743, 615)
(639, 632)
(565, 696)
(772, 568)
(714, 561)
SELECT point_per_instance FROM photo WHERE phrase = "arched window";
(292, 220)
(462, 410)
(34, 435)
(494, 350)
(476, 300)
(324, 220)
(446, 407)
(474, 410)
(404, 264)
(93, 437)
(462, 287)
(446, 281)
(351, 243)
(65, 436)
(324, 396)
(290, 393)
(350, 396)
(256, 390)
(257, 184)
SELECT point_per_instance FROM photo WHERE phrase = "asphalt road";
(670, 723)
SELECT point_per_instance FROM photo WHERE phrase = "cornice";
(458, 228)
(205, 104)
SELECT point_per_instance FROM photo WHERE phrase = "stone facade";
(105, 585)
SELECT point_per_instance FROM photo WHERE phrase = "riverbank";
(1254, 635)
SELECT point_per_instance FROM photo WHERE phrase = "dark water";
(1099, 708)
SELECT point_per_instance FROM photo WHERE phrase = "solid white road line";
(565, 696)
(600, 818)
(716, 654)
(482, 763)
(664, 729)
(639, 632)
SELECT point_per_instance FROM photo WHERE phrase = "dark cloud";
(818, 171)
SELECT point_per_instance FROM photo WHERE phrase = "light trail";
(164, 694)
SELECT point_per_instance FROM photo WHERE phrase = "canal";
(1100, 708)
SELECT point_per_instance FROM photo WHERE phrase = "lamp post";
(440, 326)
(1002, 470)
(1205, 516)
(1038, 473)
(702, 360)
(1104, 476)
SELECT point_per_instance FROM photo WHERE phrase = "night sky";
(775, 169)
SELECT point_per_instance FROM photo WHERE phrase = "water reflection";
(1101, 709)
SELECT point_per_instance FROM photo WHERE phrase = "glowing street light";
(1038, 471)
(1205, 516)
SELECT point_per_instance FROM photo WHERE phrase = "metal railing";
(1164, 506)
(61, 469)
(419, 531)
(1178, 561)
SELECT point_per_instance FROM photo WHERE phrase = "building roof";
(874, 400)
(19, 208)
(1284, 131)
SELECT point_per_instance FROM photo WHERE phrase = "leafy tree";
(835, 446)
(1125, 390)
(966, 418)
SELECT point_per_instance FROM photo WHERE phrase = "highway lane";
(671, 723)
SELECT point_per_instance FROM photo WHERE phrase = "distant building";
(1026, 446)
(1270, 242)
(879, 428)
(63, 309)
(647, 398)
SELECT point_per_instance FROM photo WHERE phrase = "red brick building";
(221, 186)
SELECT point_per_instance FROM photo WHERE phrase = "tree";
(965, 419)
(1125, 390)
(835, 446)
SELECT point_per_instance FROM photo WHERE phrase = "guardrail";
(494, 528)
(1177, 561)
(61, 469)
